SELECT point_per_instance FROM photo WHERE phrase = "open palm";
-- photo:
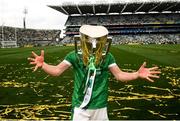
(37, 60)
(148, 73)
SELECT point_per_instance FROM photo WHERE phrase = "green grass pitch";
(28, 95)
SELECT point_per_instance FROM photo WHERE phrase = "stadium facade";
(128, 22)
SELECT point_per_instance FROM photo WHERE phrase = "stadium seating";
(26, 37)
(157, 28)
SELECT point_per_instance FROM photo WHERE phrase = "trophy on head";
(94, 44)
(91, 49)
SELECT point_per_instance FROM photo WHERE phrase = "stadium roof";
(120, 7)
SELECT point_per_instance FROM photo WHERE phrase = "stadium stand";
(20, 37)
(135, 21)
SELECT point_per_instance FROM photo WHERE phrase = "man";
(92, 63)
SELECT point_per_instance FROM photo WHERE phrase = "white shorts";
(90, 114)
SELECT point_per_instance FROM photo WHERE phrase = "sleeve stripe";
(113, 64)
(67, 62)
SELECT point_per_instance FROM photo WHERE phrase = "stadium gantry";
(119, 6)
(140, 20)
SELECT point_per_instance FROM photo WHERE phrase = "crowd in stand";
(147, 39)
(138, 39)
(135, 28)
(28, 36)
(124, 19)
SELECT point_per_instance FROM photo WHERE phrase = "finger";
(154, 76)
(31, 59)
(36, 67)
(144, 64)
(42, 53)
(32, 63)
(153, 68)
(34, 54)
(155, 72)
(149, 79)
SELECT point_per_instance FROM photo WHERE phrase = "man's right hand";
(37, 60)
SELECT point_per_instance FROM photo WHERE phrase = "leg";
(80, 115)
(100, 114)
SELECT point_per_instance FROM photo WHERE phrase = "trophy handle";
(109, 40)
(76, 38)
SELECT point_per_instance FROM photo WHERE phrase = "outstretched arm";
(38, 61)
(143, 73)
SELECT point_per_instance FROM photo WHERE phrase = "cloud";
(39, 15)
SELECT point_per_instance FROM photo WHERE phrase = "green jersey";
(100, 90)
